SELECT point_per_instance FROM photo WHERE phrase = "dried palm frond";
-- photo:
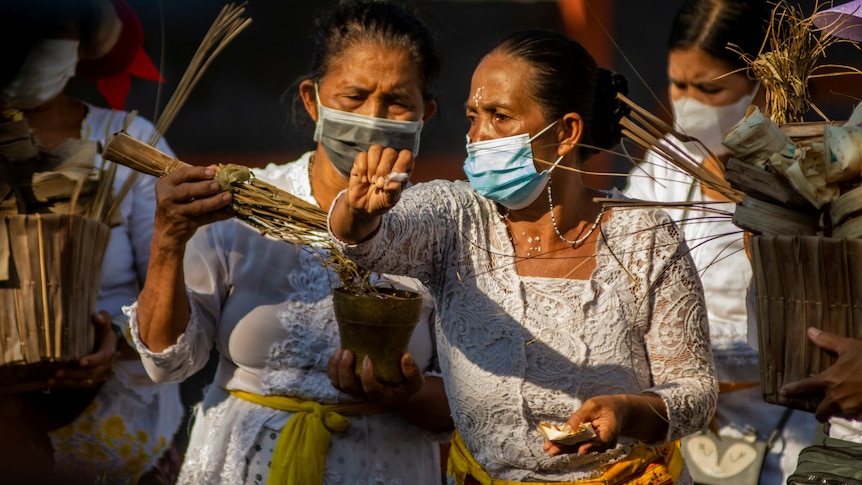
(650, 133)
(272, 211)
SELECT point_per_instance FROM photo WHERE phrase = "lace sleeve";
(414, 235)
(207, 285)
(677, 336)
(177, 362)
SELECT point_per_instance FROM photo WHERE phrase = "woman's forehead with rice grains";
(500, 101)
(374, 80)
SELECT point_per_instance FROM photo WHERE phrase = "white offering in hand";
(567, 436)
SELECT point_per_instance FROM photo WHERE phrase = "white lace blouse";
(266, 305)
(516, 351)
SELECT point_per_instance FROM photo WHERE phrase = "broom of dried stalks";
(649, 132)
(272, 211)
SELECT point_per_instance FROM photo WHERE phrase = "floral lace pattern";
(517, 351)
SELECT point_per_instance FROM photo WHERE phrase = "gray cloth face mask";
(344, 135)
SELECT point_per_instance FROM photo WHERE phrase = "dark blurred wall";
(236, 113)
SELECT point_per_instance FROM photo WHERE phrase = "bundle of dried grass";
(789, 59)
(54, 231)
(273, 211)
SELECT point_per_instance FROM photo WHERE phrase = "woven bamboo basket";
(801, 282)
(48, 290)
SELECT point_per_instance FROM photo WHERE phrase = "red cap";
(113, 71)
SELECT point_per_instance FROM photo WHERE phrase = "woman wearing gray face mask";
(267, 305)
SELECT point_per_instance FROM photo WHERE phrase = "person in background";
(271, 414)
(710, 92)
(550, 307)
(125, 423)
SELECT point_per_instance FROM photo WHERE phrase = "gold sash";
(642, 466)
(300, 452)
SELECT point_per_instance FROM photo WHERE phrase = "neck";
(326, 182)
(574, 211)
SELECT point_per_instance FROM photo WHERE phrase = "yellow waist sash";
(642, 466)
(300, 452)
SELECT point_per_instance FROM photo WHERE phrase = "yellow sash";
(642, 466)
(300, 452)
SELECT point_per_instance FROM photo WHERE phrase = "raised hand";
(377, 179)
(187, 198)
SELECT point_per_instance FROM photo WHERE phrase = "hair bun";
(608, 109)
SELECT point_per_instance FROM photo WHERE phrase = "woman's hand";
(375, 184)
(639, 416)
(186, 199)
(368, 388)
(94, 368)
(604, 413)
(840, 385)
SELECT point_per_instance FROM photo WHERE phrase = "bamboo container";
(801, 282)
(53, 264)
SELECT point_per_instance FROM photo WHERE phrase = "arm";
(840, 384)
(356, 216)
(187, 198)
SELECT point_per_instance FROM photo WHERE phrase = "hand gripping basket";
(49, 278)
(801, 282)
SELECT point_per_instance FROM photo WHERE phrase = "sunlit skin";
(695, 74)
(500, 104)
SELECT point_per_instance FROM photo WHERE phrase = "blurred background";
(240, 111)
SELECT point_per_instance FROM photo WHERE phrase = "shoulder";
(445, 196)
(291, 176)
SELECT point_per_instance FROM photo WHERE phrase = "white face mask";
(709, 123)
(48, 67)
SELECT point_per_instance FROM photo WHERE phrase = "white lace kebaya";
(516, 351)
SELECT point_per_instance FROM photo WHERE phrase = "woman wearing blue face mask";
(272, 413)
(550, 308)
(710, 92)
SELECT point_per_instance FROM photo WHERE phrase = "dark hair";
(713, 25)
(376, 22)
(566, 79)
(368, 21)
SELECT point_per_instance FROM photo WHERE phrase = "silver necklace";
(579, 241)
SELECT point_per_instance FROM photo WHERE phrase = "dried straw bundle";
(54, 231)
(272, 211)
(789, 59)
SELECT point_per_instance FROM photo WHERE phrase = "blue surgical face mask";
(344, 135)
(502, 169)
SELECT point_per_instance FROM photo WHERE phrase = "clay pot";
(379, 326)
